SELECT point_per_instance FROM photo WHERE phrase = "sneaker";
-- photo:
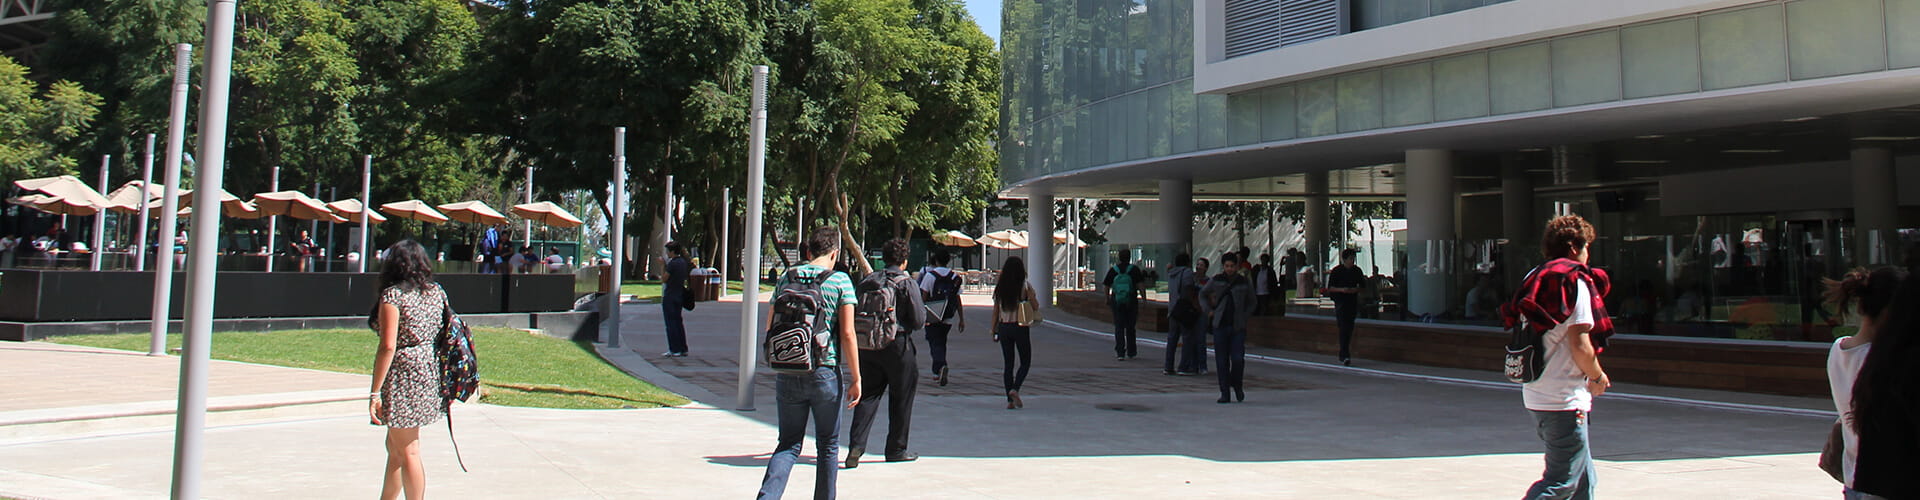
(1119, 358)
(943, 376)
(1224, 399)
(1186, 374)
(1166, 372)
(671, 354)
(1346, 361)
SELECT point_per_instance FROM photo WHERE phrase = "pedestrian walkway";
(1093, 428)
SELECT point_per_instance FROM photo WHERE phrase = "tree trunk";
(846, 235)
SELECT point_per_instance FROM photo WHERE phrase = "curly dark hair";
(406, 266)
(894, 252)
(1565, 236)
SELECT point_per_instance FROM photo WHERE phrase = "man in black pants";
(1343, 285)
(940, 288)
(892, 371)
(1125, 285)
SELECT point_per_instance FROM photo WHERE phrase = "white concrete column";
(1040, 245)
(1875, 202)
(1176, 217)
(1430, 226)
(1317, 225)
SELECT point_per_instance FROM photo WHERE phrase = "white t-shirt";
(1843, 368)
(1562, 386)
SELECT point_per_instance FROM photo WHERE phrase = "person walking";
(1229, 297)
(1196, 339)
(674, 300)
(1183, 314)
(941, 288)
(409, 315)
(816, 395)
(1015, 340)
(1567, 295)
(1125, 285)
(1885, 406)
(1344, 283)
(1864, 295)
(893, 370)
(302, 250)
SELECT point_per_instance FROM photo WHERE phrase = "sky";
(987, 13)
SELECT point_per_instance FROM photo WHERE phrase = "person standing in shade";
(892, 371)
(1229, 296)
(1344, 284)
(816, 395)
(674, 299)
(1183, 314)
(1125, 289)
(1196, 339)
(941, 288)
(1265, 284)
(1015, 340)
(409, 315)
(1568, 295)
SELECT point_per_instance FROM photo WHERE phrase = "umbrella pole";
(100, 219)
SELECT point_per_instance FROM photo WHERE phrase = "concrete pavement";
(1093, 428)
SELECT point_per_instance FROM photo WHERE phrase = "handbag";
(1831, 455)
(1027, 313)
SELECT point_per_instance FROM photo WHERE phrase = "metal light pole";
(273, 221)
(191, 416)
(146, 186)
(669, 217)
(618, 236)
(726, 212)
(529, 237)
(100, 219)
(170, 203)
(750, 288)
(799, 225)
(366, 209)
(313, 227)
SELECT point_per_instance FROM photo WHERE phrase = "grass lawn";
(650, 290)
(516, 368)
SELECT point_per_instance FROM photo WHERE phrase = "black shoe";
(1119, 358)
(1186, 374)
(1224, 399)
(853, 457)
(1239, 395)
(908, 457)
(943, 376)
(1166, 372)
(1346, 361)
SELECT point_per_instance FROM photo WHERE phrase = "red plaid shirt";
(1544, 299)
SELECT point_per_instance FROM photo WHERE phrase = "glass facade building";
(1730, 155)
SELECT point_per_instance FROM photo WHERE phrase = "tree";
(942, 165)
(122, 51)
(34, 131)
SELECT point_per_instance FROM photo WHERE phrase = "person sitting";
(555, 263)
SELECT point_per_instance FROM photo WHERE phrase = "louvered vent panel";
(1257, 25)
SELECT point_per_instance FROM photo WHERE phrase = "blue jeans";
(800, 397)
(1230, 354)
(676, 325)
(1570, 472)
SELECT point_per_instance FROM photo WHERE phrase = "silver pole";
(726, 212)
(170, 203)
(273, 221)
(750, 269)
(100, 219)
(191, 417)
(146, 180)
(366, 209)
(618, 238)
(529, 237)
(670, 206)
(313, 227)
(799, 224)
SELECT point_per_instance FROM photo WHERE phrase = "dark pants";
(816, 395)
(893, 372)
(1186, 345)
(1570, 472)
(676, 325)
(1344, 311)
(1262, 305)
(937, 344)
(1015, 340)
(1230, 352)
(1126, 317)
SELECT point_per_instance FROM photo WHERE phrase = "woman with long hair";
(406, 394)
(1863, 295)
(1886, 404)
(1011, 291)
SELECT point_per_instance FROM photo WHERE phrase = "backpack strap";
(456, 444)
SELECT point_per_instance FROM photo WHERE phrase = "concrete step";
(27, 426)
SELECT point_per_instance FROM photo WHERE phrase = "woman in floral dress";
(406, 391)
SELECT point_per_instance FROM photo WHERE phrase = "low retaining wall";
(67, 296)
(572, 325)
(1787, 368)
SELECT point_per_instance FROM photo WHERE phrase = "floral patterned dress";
(411, 394)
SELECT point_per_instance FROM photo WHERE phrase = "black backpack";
(876, 321)
(943, 299)
(798, 335)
